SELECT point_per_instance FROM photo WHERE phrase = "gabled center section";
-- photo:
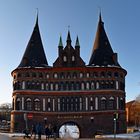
(69, 56)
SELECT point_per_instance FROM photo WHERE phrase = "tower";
(70, 92)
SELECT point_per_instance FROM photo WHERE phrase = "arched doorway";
(69, 130)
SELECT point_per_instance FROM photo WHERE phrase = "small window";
(73, 58)
(88, 75)
(47, 76)
(102, 74)
(55, 75)
(81, 75)
(109, 74)
(34, 74)
(65, 59)
(40, 75)
(116, 75)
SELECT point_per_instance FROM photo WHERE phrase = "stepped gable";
(102, 53)
(69, 56)
(34, 55)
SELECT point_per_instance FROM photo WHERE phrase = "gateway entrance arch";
(69, 130)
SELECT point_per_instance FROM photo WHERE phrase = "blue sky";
(121, 20)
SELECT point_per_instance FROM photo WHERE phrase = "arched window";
(83, 86)
(97, 85)
(36, 104)
(74, 75)
(81, 103)
(62, 76)
(27, 74)
(122, 103)
(111, 103)
(47, 86)
(87, 85)
(116, 75)
(109, 74)
(49, 104)
(68, 75)
(58, 104)
(51, 86)
(56, 86)
(102, 74)
(103, 103)
(42, 86)
(40, 75)
(73, 58)
(64, 58)
(81, 75)
(92, 85)
(33, 74)
(91, 103)
(117, 85)
(95, 74)
(47, 75)
(28, 104)
(18, 104)
(55, 75)
(88, 74)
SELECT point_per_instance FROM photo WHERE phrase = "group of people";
(37, 131)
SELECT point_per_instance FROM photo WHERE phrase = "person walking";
(39, 130)
(33, 131)
(47, 132)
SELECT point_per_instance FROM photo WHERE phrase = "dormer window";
(73, 58)
(65, 59)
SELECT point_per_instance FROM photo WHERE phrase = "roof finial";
(68, 36)
(68, 27)
(100, 15)
(37, 15)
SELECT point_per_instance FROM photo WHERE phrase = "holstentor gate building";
(70, 91)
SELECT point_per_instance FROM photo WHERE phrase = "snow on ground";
(135, 135)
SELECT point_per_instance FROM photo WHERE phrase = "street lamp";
(116, 115)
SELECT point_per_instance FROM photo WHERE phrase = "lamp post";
(114, 128)
(116, 115)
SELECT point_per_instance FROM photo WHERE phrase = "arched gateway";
(70, 91)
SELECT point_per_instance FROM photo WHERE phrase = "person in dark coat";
(39, 130)
(47, 132)
(33, 131)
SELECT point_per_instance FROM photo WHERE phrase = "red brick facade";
(69, 91)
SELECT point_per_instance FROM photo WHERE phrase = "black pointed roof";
(34, 55)
(102, 53)
(68, 38)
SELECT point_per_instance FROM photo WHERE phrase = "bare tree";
(5, 111)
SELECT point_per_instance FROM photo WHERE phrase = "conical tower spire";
(68, 38)
(60, 42)
(34, 55)
(102, 53)
(77, 42)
